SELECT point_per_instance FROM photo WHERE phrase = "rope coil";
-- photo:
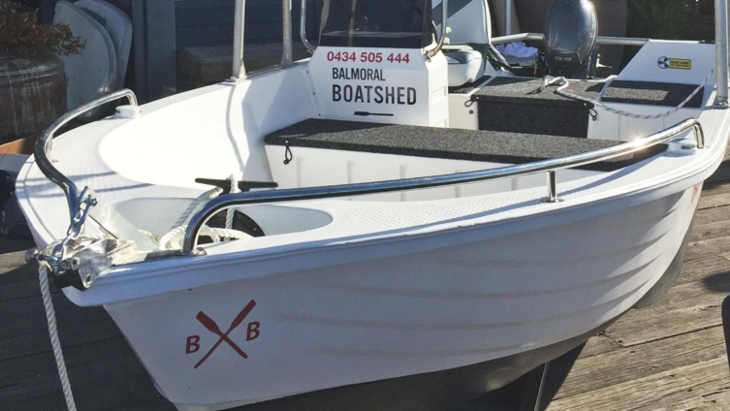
(173, 238)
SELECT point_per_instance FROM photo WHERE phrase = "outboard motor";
(570, 32)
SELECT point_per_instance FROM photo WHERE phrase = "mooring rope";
(53, 333)
(173, 238)
(231, 211)
(179, 227)
(563, 84)
(175, 235)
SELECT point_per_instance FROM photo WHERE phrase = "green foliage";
(657, 19)
(21, 33)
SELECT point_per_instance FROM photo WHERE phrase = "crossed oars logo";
(223, 336)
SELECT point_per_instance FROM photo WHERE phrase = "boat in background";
(397, 217)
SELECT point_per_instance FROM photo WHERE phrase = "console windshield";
(376, 23)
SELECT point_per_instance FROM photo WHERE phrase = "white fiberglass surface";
(212, 135)
(174, 145)
(312, 167)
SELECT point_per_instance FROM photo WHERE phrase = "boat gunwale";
(346, 190)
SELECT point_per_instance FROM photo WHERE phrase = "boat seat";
(465, 66)
(469, 29)
(445, 143)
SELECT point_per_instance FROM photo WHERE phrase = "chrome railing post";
(699, 135)
(303, 27)
(507, 17)
(552, 185)
(287, 55)
(721, 50)
(239, 69)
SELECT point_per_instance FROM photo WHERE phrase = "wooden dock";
(670, 356)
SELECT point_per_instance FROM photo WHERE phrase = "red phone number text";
(368, 57)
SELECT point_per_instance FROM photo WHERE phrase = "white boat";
(413, 239)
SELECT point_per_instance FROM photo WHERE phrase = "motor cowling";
(570, 33)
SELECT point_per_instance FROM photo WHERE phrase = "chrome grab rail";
(44, 145)
(721, 53)
(549, 166)
(303, 27)
(287, 53)
(442, 39)
(238, 70)
(609, 41)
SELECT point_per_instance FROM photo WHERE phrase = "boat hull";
(435, 391)
(508, 295)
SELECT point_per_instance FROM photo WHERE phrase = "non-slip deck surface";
(526, 90)
(474, 145)
(651, 93)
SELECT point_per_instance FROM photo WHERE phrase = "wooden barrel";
(32, 94)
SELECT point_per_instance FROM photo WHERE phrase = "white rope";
(563, 84)
(149, 235)
(53, 332)
(223, 232)
(179, 227)
(174, 241)
(231, 211)
(173, 238)
(166, 240)
(199, 200)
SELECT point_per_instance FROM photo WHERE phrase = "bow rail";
(44, 145)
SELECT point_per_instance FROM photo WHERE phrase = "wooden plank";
(702, 268)
(686, 308)
(160, 405)
(599, 344)
(20, 146)
(711, 215)
(133, 391)
(17, 274)
(651, 392)
(721, 399)
(692, 403)
(624, 365)
(21, 290)
(708, 381)
(715, 200)
(36, 375)
(14, 268)
(705, 248)
(716, 229)
(28, 316)
(715, 195)
(39, 342)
